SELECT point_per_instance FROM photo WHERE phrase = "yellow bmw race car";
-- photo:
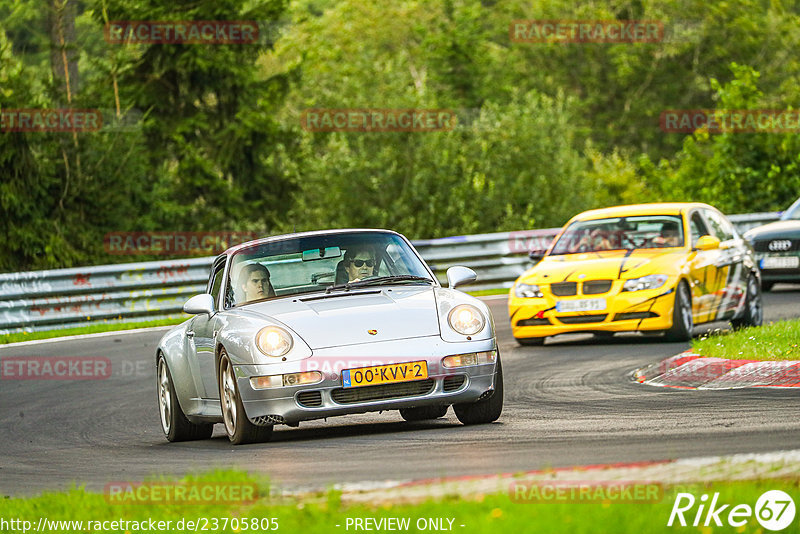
(646, 267)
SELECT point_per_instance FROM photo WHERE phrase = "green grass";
(488, 292)
(322, 512)
(775, 341)
(89, 329)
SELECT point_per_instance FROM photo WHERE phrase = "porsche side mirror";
(199, 304)
(707, 242)
(459, 276)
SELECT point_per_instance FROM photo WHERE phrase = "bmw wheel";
(174, 424)
(753, 314)
(238, 427)
(682, 321)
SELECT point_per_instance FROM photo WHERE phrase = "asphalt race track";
(567, 403)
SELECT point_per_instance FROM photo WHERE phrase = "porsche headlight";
(466, 319)
(527, 291)
(651, 281)
(274, 341)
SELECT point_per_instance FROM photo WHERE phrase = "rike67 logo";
(774, 510)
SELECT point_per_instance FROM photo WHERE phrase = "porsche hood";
(348, 318)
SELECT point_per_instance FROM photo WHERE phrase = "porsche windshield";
(316, 263)
(621, 233)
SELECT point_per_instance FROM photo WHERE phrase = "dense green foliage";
(213, 138)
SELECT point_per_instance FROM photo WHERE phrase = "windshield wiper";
(380, 281)
(390, 280)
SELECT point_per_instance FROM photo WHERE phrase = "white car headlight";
(466, 319)
(274, 341)
(527, 291)
(651, 281)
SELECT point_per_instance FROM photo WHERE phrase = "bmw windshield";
(621, 233)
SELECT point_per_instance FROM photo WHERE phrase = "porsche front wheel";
(238, 427)
(486, 410)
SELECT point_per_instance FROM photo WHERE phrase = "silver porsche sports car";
(312, 325)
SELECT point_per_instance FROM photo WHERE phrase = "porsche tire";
(423, 413)
(485, 410)
(237, 426)
(682, 321)
(174, 424)
(753, 314)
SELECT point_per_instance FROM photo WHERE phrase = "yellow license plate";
(384, 374)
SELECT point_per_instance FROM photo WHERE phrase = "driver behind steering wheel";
(359, 263)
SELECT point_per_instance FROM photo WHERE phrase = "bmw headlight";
(466, 319)
(651, 281)
(274, 341)
(527, 291)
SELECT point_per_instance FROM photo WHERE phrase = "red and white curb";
(690, 371)
(707, 469)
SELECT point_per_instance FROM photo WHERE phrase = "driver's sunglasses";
(359, 263)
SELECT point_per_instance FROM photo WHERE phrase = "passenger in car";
(254, 282)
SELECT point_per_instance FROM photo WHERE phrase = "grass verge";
(488, 292)
(330, 512)
(88, 329)
(775, 341)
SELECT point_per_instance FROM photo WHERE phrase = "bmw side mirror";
(707, 242)
(536, 255)
(459, 276)
(200, 304)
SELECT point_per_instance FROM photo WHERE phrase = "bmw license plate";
(384, 374)
(580, 305)
(780, 262)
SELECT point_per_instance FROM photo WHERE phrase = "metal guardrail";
(131, 292)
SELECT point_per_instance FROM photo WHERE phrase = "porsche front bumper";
(443, 386)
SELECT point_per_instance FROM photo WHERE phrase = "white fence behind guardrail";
(130, 292)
